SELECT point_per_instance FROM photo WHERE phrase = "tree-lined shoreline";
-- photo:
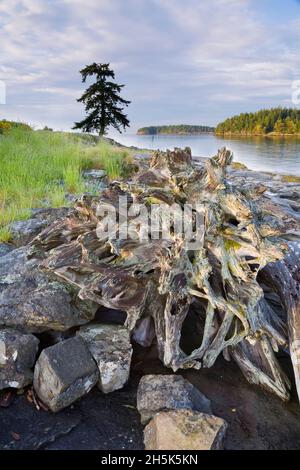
(180, 129)
(274, 122)
(267, 122)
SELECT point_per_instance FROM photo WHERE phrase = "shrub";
(4, 127)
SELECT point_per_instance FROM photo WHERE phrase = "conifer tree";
(103, 104)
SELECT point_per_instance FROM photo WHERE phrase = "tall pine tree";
(103, 104)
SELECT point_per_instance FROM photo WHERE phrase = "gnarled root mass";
(213, 265)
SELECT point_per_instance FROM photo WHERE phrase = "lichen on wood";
(163, 277)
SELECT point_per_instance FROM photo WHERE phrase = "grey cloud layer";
(186, 61)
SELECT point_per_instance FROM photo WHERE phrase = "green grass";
(5, 235)
(38, 168)
(57, 198)
(238, 166)
(114, 160)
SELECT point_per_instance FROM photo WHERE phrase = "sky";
(191, 61)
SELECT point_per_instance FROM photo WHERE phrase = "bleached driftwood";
(284, 278)
(161, 278)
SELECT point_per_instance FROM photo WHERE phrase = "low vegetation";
(7, 126)
(39, 168)
(290, 179)
(238, 166)
(275, 121)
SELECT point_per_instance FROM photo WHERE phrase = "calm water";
(258, 153)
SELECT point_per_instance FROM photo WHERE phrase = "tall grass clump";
(114, 160)
(38, 169)
(32, 168)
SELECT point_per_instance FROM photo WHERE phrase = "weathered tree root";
(284, 279)
(162, 277)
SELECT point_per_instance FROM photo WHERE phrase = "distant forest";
(276, 121)
(175, 129)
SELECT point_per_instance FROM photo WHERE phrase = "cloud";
(194, 63)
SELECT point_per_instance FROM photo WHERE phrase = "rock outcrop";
(5, 248)
(23, 231)
(32, 301)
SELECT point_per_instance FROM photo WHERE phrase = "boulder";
(63, 373)
(184, 430)
(95, 179)
(23, 231)
(110, 347)
(17, 355)
(5, 248)
(168, 392)
(32, 301)
(94, 174)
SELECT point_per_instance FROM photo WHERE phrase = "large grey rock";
(94, 174)
(63, 373)
(33, 302)
(5, 248)
(23, 231)
(95, 179)
(17, 355)
(184, 430)
(168, 392)
(110, 347)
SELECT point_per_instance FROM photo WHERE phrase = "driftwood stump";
(234, 236)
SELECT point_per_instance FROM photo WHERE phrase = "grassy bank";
(38, 168)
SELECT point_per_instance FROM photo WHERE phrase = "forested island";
(275, 121)
(183, 129)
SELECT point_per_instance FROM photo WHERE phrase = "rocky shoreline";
(111, 422)
(44, 321)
